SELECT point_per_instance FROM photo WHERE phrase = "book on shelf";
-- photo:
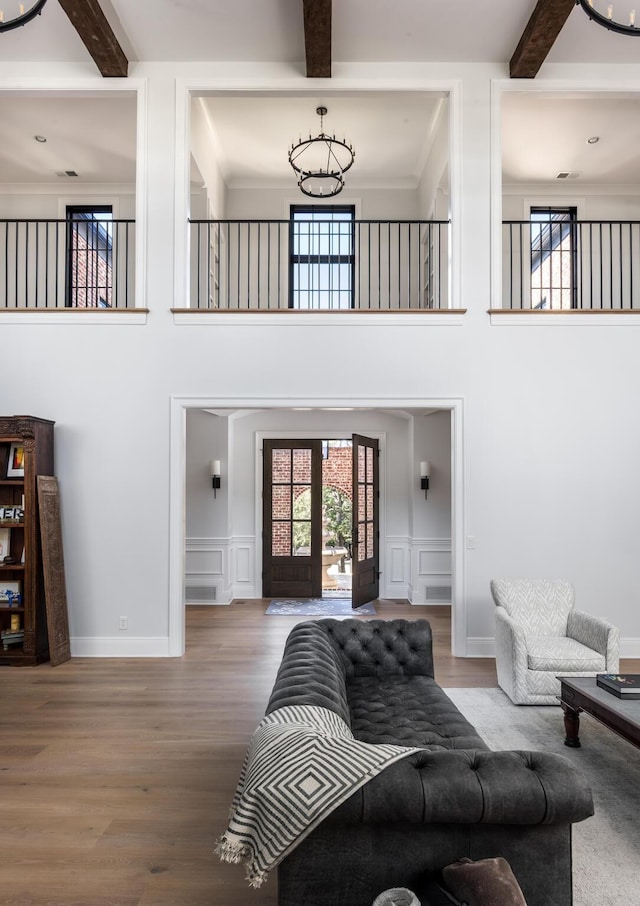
(5, 543)
(624, 685)
(11, 513)
(9, 637)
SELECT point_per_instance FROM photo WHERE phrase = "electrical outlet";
(124, 623)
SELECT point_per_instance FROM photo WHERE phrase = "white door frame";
(177, 492)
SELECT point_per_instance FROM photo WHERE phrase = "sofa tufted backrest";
(382, 647)
(540, 606)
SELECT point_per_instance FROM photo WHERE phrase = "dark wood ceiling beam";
(90, 22)
(317, 38)
(538, 38)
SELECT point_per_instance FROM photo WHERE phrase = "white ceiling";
(363, 31)
(545, 134)
(94, 136)
(390, 133)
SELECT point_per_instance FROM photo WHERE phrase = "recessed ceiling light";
(40, 138)
(593, 140)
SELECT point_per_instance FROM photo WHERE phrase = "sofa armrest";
(470, 787)
(598, 634)
(511, 656)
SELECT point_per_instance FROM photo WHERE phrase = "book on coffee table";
(624, 685)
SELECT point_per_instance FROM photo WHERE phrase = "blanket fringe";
(231, 850)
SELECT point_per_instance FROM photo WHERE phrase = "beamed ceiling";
(542, 134)
(312, 35)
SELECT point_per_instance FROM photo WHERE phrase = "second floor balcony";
(563, 264)
(84, 262)
(319, 265)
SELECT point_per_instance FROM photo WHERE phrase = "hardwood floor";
(116, 775)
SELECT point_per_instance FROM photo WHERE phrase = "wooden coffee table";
(582, 693)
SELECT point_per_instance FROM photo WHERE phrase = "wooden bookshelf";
(26, 451)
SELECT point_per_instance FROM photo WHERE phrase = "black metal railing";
(319, 265)
(72, 263)
(584, 265)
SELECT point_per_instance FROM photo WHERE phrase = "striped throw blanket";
(301, 764)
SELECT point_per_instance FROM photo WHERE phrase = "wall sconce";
(214, 469)
(425, 471)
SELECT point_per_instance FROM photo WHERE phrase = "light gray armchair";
(539, 636)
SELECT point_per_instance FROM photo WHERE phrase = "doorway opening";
(337, 518)
(320, 533)
(220, 546)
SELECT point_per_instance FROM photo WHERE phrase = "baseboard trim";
(158, 646)
(114, 646)
(480, 647)
(630, 648)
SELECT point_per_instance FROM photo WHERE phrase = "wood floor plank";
(116, 775)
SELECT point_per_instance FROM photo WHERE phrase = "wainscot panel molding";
(396, 575)
(117, 646)
(242, 560)
(431, 576)
(207, 571)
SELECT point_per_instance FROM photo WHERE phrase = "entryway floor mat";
(319, 607)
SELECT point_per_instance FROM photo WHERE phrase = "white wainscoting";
(431, 577)
(242, 567)
(206, 578)
(220, 569)
(396, 573)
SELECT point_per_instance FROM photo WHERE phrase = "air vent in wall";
(567, 174)
(65, 173)
(438, 594)
(200, 594)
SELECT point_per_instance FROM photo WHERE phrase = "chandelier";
(320, 162)
(22, 16)
(607, 20)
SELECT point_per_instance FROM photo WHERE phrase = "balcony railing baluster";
(338, 265)
(590, 266)
(85, 266)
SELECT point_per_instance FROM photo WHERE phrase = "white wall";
(431, 548)
(370, 204)
(549, 439)
(207, 518)
(203, 148)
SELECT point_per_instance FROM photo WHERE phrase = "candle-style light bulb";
(610, 11)
(632, 17)
(1, 16)
(22, 9)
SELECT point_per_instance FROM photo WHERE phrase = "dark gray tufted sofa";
(456, 798)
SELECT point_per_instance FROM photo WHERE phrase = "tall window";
(89, 256)
(553, 258)
(321, 257)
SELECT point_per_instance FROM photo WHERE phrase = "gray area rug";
(606, 847)
(319, 607)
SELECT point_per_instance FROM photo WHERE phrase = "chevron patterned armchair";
(540, 636)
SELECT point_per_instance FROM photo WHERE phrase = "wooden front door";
(292, 519)
(366, 540)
